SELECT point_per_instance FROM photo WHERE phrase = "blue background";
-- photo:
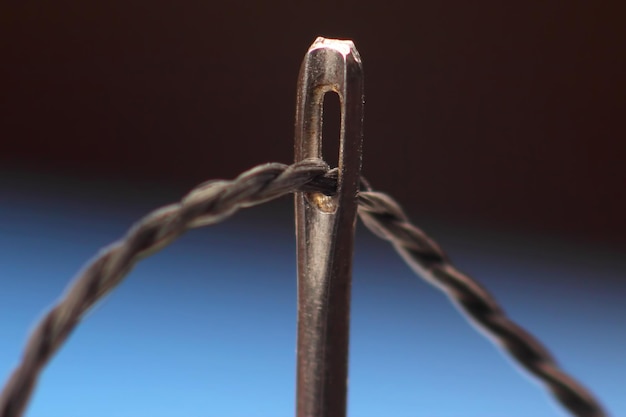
(207, 326)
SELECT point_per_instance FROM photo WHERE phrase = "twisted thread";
(214, 201)
(385, 218)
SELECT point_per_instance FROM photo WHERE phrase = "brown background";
(488, 111)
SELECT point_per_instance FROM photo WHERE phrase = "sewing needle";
(325, 228)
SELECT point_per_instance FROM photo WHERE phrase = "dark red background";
(507, 112)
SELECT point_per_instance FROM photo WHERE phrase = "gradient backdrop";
(499, 126)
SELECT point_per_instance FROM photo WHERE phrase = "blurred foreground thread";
(214, 201)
